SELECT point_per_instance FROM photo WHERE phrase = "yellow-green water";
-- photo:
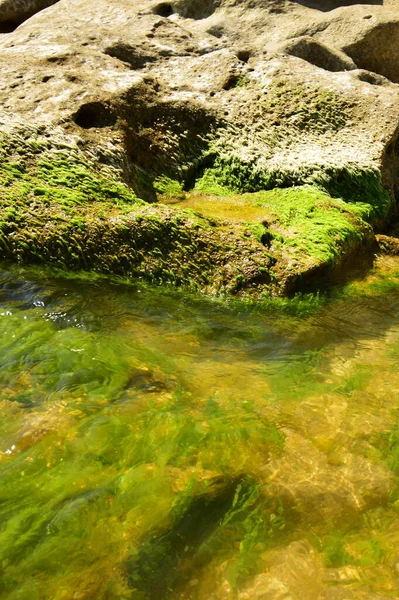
(156, 446)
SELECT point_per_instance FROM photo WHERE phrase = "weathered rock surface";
(253, 94)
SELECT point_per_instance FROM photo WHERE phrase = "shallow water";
(233, 208)
(155, 445)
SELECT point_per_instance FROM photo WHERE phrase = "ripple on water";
(157, 446)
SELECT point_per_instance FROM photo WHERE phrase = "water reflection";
(158, 446)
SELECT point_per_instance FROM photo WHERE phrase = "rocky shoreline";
(125, 130)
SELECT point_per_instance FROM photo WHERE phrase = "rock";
(319, 55)
(336, 593)
(377, 48)
(372, 43)
(388, 244)
(249, 95)
(323, 494)
(326, 5)
(295, 572)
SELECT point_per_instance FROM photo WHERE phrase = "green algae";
(170, 188)
(304, 108)
(293, 378)
(211, 184)
(358, 380)
(305, 227)
(238, 515)
(108, 435)
(341, 549)
(361, 188)
(382, 280)
(60, 179)
(165, 462)
(388, 445)
(335, 551)
(56, 209)
(316, 225)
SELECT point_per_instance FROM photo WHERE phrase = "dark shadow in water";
(157, 567)
(327, 5)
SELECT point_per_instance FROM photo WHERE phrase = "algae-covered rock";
(146, 101)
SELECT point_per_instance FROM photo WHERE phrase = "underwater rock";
(320, 492)
(162, 562)
(294, 572)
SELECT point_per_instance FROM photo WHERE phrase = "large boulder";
(218, 97)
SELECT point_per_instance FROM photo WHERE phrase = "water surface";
(155, 445)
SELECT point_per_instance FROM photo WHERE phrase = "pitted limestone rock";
(280, 92)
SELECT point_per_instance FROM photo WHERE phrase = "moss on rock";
(56, 209)
(304, 108)
(361, 186)
(309, 229)
(169, 188)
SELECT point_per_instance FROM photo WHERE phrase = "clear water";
(157, 446)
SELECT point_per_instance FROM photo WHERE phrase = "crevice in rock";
(369, 77)
(216, 30)
(134, 57)
(163, 10)
(165, 137)
(196, 9)
(327, 5)
(319, 55)
(378, 50)
(8, 26)
(58, 59)
(168, 139)
(390, 168)
(244, 55)
(197, 170)
(94, 115)
(232, 81)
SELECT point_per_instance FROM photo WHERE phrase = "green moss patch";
(312, 225)
(357, 186)
(55, 208)
(212, 184)
(170, 188)
(307, 229)
(305, 108)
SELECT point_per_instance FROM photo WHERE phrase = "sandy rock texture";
(255, 94)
